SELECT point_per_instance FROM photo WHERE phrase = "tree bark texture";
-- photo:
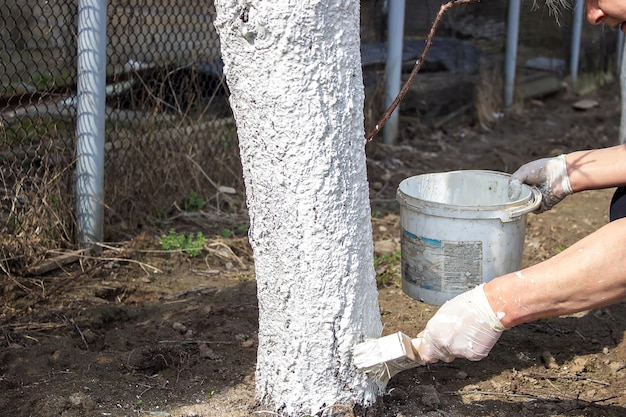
(293, 68)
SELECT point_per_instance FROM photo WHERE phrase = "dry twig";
(208, 342)
(223, 251)
(32, 326)
(567, 376)
(418, 65)
(48, 265)
(201, 290)
(499, 394)
(80, 332)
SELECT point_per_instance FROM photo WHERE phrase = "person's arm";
(597, 169)
(589, 274)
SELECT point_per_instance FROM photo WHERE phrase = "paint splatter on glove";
(549, 175)
(464, 327)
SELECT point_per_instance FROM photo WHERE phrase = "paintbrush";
(384, 357)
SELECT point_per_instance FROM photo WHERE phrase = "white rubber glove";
(464, 327)
(549, 175)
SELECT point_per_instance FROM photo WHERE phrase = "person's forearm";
(589, 274)
(596, 169)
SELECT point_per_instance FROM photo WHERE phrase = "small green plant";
(234, 230)
(387, 268)
(56, 199)
(13, 224)
(190, 244)
(194, 202)
(158, 218)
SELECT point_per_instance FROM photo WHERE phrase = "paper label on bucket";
(439, 265)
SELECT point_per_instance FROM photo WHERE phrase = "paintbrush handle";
(415, 345)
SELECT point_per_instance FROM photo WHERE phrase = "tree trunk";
(293, 68)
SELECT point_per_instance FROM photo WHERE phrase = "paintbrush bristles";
(383, 358)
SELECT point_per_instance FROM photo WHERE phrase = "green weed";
(236, 230)
(387, 269)
(190, 244)
(194, 202)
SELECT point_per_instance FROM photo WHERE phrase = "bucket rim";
(529, 201)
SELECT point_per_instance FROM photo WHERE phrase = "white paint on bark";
(294, 72)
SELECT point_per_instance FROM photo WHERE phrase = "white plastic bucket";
(460, 229)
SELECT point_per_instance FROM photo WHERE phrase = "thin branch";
(501, 394)
(145, 266)
(533, 395)
(568, 377)
(200, 290)
(82, 336)
(208, 342)
(203, 172)
(32, 326)
(418, 65)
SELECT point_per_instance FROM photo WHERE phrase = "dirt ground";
(135, 332)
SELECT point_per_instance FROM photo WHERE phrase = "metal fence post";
(91, 73)
(577, 23)
(511, 51)
(393, 69)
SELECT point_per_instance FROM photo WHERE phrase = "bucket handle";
(532, 206)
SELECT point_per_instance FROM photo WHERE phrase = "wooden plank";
(541, 85)
(48, 265)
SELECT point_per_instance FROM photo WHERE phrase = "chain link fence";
(462, 79)
(170, 139)
(36, 128)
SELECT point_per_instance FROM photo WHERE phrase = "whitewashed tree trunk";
(293, 68)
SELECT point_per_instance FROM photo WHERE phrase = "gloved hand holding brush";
(464, 327)
(468, 326)
(549, 175)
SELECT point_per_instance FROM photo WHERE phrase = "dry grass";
(489, 95)
(36, 209)
(153, 175)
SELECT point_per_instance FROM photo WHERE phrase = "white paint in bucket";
(460, 229)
